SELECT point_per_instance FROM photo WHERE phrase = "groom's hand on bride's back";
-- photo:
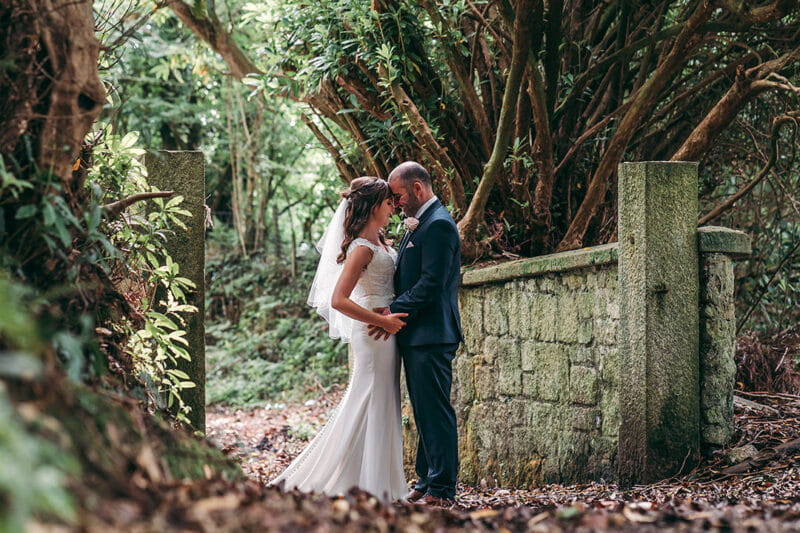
(376, 331)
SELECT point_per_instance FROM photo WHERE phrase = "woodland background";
(522, 111)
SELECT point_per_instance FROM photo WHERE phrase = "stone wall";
(535, 384)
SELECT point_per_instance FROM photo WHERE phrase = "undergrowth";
(263, 343)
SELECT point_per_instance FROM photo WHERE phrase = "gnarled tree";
(523, 122)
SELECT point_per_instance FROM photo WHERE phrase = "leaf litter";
(763, 496)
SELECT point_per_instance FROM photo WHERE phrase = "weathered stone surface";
(583, 385)
(717, 349)
(463, 379)
(560, 262)
(586, 419)
(541, 383)
(551, 380)
(519, 314)
(495, 311)
(184, 173)
(658, 277)
(485, 377)
(508, 363)
(718, 239)
(609, 407)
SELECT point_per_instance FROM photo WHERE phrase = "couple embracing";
(390, 306)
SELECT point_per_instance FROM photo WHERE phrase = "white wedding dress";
(361, 445)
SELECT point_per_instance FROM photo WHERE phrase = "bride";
(361, 445)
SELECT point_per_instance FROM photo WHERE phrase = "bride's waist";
(373, 300)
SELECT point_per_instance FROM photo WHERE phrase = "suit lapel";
(407, 237)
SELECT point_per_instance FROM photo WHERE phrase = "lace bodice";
(375, 287)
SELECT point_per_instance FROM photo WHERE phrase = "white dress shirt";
(425, 206)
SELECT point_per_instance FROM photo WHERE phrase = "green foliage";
(146, 271)
(263, 342)
(32, 472)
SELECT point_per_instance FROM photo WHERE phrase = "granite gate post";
(184, 173)
(659, 323)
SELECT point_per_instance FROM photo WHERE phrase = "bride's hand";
(392, 322)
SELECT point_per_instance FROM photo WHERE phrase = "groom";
(426, 283)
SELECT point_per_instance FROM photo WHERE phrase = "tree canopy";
(522, 110)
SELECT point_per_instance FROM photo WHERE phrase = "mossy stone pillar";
(184, 173)
(718, 248)
(659, 324)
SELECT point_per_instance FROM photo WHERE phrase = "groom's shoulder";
(441, 221)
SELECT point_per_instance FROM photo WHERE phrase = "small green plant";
(146, 273)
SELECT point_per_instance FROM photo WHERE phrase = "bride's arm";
(356, 261)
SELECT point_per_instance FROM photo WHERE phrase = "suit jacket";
(426, 281)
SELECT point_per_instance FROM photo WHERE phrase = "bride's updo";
(362, 196)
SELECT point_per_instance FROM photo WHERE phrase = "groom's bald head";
(411, 186)
(409, 172)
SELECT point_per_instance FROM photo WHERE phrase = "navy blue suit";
(426, 283)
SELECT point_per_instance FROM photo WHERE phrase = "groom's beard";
(411, 207)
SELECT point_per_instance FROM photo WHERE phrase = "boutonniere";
(410, 223)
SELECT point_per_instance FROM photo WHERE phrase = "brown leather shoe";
(433, 501)
(414, 496)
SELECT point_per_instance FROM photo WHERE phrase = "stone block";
(608, 364)
(609, 409)
(529, 351)
(605, 331)
(509, 367)
(574, 451)
(463, 379)
(583, 385)
(574, 281)
(582, 355)
(728, 241)
(586, 419)
(585, 333)
(717, 349)
(550, 371)
(471, 310)
(495, 310)
(567, 321)
(519, 313)
(545, 421)
(485, 379)
(491, 349)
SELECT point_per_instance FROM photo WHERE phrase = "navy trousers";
(429, 377)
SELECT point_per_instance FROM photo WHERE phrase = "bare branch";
(114, 209)
(792, 118)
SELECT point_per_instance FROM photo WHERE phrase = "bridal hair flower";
(410, 223)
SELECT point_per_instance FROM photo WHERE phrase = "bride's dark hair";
(363, 195)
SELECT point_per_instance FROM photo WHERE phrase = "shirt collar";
(425, 206)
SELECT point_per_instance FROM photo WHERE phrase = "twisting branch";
(685, 42)
(345, 171)
(209, 29)
(114, 209)
(791, 118)
(419, 127)
(468, 226)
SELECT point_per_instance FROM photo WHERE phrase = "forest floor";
(760, 494)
